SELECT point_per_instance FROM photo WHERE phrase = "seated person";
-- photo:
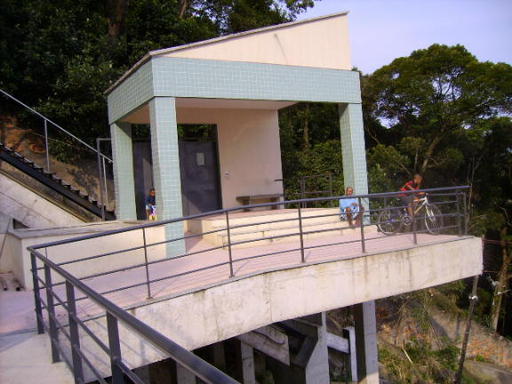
(350, 208)
(151, 205)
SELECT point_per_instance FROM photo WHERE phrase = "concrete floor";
(24, 355)
(16, 308)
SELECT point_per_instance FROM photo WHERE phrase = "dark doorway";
(199, 168)
(143, 175)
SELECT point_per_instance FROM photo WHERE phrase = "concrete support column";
(366, 343)
(166, 168)
(317, 369)
(353, 148)
(122, 152)
(248, 368)
(184, 376)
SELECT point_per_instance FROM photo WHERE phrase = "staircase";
(52, 181)
(77, 185)
(248, 229)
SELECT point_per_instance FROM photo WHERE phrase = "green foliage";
(419, 362)
(61, 56)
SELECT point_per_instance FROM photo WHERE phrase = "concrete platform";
(25, 358)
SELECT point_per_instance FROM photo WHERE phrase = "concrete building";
(237, 83)
(245, 300)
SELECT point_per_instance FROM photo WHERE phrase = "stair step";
(281, 234)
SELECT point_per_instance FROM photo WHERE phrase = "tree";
(431, 99)
(444, 114)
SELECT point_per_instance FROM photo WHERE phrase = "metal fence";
(298, 234)
(59, 152)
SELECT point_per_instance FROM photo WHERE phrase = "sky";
(382, 30)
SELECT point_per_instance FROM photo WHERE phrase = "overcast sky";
(382, 30)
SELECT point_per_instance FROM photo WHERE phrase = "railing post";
(148, 284)
(301, 235)
(100, 179)
(466, 213)
(115, 349)
(459, 213)
(105, 183)
(51, 314)
(228, 230)
(47, 148)
(414, 228)
(78, 371)
(363, 244)
(37, 294)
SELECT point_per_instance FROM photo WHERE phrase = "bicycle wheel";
(433, 219)
(388, 221)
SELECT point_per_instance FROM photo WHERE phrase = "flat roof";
(164, 51)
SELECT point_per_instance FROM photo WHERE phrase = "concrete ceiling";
(141, 115)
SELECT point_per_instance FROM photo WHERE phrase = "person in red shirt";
(409, 199)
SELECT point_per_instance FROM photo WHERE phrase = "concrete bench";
(253, 199)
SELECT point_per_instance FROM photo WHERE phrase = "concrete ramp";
(222, 310)
(25, 358)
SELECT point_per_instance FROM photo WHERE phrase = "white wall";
(249, 149)
(322, 43)
(31, 209)
(16, 257)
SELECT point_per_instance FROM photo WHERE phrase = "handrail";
(371, 205)
(54, 123)
(185, 358)
(245, 207)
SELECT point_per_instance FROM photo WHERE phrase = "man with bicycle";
(408, 200)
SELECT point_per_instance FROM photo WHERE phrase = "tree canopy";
(60, 56)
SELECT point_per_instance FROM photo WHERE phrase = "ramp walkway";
(123, 285)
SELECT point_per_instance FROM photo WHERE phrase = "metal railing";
(55, 140)
(222, 251)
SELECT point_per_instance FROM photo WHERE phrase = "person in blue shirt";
(151, 205)
(349, 207)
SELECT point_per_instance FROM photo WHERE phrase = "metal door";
(199, 177)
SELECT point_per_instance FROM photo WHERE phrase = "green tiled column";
(353, 148)
(166, 168)
(122, 152)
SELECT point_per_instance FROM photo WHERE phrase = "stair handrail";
(54, 123)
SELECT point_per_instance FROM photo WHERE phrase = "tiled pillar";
(353, 147)
(366, 343)
(166, 169)
(122, 152)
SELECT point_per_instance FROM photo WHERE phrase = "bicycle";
(392, 220)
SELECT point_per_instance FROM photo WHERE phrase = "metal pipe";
(302, 256)
(54, 336)
(46, 146)
(115, 349)
(472, 302)
(363, 244)
(228, 230)
(201, 368)
(223, 211)
(100, 179)
(148, 285)
(47, 119)
(466, 214)
(78, 372)
(105, 182)
(414, 235)
(37, 295)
